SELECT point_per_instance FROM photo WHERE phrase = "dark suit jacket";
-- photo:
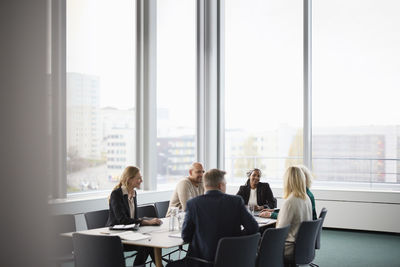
(210, 217)
(265, 197)
(119, 209)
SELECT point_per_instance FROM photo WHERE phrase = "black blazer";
(265, 197)
(212, 216)
(119, 212)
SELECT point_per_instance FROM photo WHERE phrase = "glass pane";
(356, 74)
(263, 87)
(176, 90)
(100, 92)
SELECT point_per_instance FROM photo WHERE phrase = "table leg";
(157, 256)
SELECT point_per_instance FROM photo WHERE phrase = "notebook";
(133, 227)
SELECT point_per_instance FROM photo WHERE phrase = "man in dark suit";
(211, 217)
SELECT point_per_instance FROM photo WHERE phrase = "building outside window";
(356, 126)
(176, 90)
(100, 92)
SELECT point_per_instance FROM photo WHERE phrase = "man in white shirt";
(187, 188)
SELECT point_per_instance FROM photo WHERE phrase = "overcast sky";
(356, 60)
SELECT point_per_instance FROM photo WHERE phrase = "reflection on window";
(176, 90)
(356, 126)
(100, 92)
(263, 87)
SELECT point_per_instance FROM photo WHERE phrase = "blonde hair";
(307, 175)
(294, 183)
(128, 173)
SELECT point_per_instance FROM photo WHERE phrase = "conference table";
(157, 237)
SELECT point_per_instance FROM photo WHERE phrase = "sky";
(356, 60)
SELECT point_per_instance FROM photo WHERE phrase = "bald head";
(196, 172)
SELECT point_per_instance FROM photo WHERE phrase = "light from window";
(263, 87)
(176, 90)
(356, 74)
(100, 92)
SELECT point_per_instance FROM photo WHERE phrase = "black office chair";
(98, 251)
(96, 219)
(304, 246)
(272, 246)
(322, 216)
(62, 248)
(161, 208)
(146, 211)
(234, 252)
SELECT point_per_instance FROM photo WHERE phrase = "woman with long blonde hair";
(296, 208)
(123, 206)
(273, 213)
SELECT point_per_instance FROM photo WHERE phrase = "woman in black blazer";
(123, 207)
(263, 193)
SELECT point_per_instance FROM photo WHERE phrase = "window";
(176, 89)
(100, 92)
(263, 87)
(356, 126)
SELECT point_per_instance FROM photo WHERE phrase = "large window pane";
(100, 92)
(356, 74)
(263, 87)
(176, 89)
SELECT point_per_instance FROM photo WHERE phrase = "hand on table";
(270, 210)
(258, 208)
(265, 214)
(154, 221)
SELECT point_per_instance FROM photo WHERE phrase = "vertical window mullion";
(307, 119)
(146, 115)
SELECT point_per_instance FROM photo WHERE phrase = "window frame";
(210, 81)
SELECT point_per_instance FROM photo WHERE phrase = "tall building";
(175, 155)
(120, 151)
(118, 140)
(83, 124)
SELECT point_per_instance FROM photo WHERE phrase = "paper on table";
(123, 226)
(178, 235)
(131, 236)
(262, 220)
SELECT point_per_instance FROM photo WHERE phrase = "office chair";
(272, 246)
(234, 252)
(304, 246)
(96, 219)
(98, 251)
(62, 248)
(322, 215)
(146, 211)
(161, 208)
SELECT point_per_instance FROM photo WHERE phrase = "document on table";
(261, 220)
(177, 235)
(131, 236)
(132, 226)
(127, 235)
